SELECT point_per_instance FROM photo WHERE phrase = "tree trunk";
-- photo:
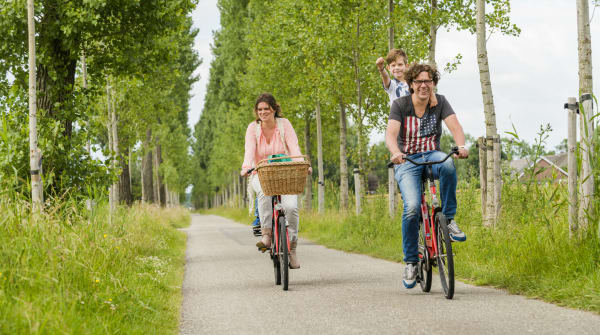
(35, 155)
(391, 28)
(321, 182)
(125, 180)
(433, 34)
(359, 116)
(147, 168)
(88, 143)
(115, 148)
(111, 189)
(584, 43)
(307, 150)
(492, 197)
(343, 159)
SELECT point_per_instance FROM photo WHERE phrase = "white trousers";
(265, 209)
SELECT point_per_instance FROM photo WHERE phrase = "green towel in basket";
(279, 160)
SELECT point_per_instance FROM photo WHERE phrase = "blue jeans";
(409, 178)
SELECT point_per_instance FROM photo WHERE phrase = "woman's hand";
(244, 172)
(310, 170)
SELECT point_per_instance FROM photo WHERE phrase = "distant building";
(549, 165)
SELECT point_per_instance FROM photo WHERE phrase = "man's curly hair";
(415, 69)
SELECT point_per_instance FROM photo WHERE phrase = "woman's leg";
(290, 208)
(264, 205)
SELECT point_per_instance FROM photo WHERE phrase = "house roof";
(559, 162)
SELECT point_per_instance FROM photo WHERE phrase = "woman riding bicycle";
(270, 134)
(414, 130)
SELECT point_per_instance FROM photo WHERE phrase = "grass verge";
(71, 272)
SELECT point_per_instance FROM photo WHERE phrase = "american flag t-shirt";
(419, 134)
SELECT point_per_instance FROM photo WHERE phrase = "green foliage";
(71, 272)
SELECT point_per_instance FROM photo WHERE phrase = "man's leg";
(408, 177)
(446, 172)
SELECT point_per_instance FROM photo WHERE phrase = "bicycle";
(435, 246)
(280, 239)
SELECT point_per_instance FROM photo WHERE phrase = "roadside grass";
(71, 272)
(529, 252)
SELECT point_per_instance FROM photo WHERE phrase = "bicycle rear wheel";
(283, 252)
(424, 268)
(445, 258)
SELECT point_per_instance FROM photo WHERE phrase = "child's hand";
(432, 100)
(380, 62)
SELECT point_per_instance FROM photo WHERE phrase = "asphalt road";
(229, 288)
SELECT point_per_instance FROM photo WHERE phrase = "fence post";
(391, 191)
(571, 105)
(483, 175)
(357, 190)
(497, 179)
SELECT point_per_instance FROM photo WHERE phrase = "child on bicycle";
(414, 130)
(270, 134)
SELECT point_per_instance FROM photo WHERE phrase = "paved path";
(229, 289)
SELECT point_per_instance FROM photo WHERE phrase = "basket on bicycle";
(278, 178)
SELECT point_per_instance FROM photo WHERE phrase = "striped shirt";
(419, 134)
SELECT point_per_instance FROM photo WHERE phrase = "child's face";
(397, 68)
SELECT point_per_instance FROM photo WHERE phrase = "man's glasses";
(421, 82)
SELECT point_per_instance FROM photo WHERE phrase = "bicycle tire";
(445, 257)
(275, 258)
(424, 268)
(283, 253)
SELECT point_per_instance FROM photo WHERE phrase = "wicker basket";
(282, 177)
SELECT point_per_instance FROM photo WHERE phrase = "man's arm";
(391, 141)
(458, 134)
(385, 78)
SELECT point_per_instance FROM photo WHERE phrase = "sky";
(532, 75)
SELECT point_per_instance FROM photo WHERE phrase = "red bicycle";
(435, 246)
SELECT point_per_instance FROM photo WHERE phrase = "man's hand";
(463, 152)
(398, 158)
(380, 62)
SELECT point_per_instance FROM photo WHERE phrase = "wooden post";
(483, 176)
(205, 201)
(571, 105)
(497, 180)
(391, 191)
(357, 190)
(586, 135)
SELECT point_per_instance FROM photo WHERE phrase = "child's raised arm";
(382, 72)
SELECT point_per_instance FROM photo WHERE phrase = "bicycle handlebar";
(454, 151)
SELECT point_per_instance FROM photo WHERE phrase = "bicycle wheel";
(275, 258)
(445, 257)
(283, 252)
(424, 269)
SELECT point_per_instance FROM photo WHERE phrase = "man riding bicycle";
(414, 130)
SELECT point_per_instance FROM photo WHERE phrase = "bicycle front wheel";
(424, 268)
(445, 258)
(283, 252)
(275, 257)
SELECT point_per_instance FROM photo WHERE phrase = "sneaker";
(410, 275)
(456, 235)
(256, 222)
